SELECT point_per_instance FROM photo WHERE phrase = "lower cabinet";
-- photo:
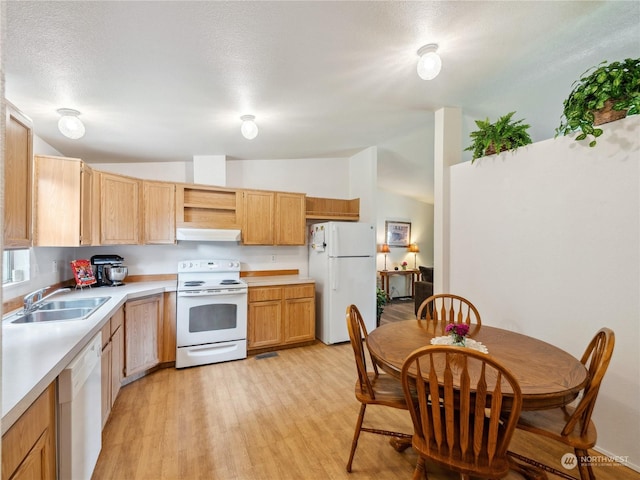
(281, 315)
(143, 334)
(112, 361)
(29, 446)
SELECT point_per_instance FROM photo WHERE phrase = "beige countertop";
(266, 281)
(34, 354)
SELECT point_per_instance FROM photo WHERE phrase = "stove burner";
(194, 283)
(229, 282)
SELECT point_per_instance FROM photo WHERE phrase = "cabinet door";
(117, 362)
(142, 329)
(159, 200)
(18, 161)
(106, 360)
(290, 219)
(119, 210)
(299, 324)
(258, 224)
(169, 328)
(264, 324)
(86, 205)
(28, 447)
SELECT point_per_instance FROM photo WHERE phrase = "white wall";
(546, 241)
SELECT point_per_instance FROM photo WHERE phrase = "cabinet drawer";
(306, 290)
(263, 294)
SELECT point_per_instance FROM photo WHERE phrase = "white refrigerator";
(342, 263)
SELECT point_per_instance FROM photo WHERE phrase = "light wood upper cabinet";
(258, 225)
(159, 201)
(290, 219)
(273, 218)
(18, 165)
(120, 218)
(63, 203)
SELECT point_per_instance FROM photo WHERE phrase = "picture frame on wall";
(397, 234)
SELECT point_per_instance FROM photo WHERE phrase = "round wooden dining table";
(549, 377)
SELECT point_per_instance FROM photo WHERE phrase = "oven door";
(210, 317)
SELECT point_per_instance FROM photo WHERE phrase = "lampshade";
(249, 128)
(69, 124)
(413, 248)
(384, 248)
(429, 64)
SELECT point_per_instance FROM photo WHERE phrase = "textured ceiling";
(163, 81)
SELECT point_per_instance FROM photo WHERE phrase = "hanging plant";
(498, 137)
(608, 93)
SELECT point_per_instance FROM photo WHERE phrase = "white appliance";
(342, 263)
(211, 312)
(80, 413)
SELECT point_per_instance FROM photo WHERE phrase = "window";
(15, 266)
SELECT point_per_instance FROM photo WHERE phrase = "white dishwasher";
(79, 413)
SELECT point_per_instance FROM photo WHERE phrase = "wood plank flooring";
(289, 416)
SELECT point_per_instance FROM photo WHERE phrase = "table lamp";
(413, 248)
(385, 249)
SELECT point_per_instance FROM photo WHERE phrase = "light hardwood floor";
(290, 416)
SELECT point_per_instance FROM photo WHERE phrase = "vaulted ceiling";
(163, 81)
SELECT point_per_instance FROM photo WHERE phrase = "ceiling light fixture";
(249, 128)
(429, 64)
(69, 124)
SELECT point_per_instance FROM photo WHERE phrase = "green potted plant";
(603, 94)
(502, 135)
(381, 301)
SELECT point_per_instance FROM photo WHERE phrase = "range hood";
(207, 235)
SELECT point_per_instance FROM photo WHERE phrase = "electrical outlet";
(54, 266)
(273, 258)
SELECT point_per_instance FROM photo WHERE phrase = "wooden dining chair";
(372, 387)
(448, 308)
(572, 425)
(464, 411)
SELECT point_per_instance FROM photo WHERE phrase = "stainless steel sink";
(53, 315)
(55, 310)
(78, 303)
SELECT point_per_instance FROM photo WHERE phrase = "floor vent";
(266, 355)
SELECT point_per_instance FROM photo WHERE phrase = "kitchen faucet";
(33, 300)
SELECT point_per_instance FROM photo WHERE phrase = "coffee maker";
(98, 263)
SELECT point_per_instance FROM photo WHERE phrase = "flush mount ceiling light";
(249, 128)
(429, 64)
(69, 124)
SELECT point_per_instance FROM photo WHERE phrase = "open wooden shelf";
(318, 208)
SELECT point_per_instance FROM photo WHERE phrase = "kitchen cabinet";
(63, 202)
(143, 332)
(273, 218)
(200, 206)
(159, 212)
(29, 446)
(280, 316)
(120, 218)
(168, 353)
(112, 361)
(18, 179)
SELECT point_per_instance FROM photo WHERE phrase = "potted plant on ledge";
(610, 92)
(497, 137)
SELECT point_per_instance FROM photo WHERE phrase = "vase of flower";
(458, 333)
(404, 265)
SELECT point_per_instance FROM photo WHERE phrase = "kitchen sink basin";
(56, 310)
(53, 315)
(78, 303)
